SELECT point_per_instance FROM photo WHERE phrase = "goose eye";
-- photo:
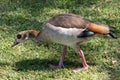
(19, 36)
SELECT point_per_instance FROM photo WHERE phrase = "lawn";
(29, 61)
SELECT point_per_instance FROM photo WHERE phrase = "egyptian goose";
(66, 29)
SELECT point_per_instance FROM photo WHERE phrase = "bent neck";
(33, 33)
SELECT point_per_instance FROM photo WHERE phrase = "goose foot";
(55, 67)
(79, 69)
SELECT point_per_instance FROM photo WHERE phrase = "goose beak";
(15, 43)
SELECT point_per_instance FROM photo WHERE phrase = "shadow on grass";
(32, 64)
(40, 4)
(35, 8)
(43, 64)
(4, 64)
(19, 23)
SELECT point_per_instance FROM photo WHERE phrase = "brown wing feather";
(75, 21)
(68, 21)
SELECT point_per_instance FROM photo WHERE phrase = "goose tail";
(102, 29)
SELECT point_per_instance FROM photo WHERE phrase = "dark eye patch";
(19, 36)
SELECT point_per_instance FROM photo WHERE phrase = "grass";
(29, 61)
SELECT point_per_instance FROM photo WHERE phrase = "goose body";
(66, 29)
(65, 36)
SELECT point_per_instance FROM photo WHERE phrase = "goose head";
(24, 35)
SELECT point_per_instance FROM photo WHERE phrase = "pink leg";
(62, 57)
(80, 52)
(60, 65)
(84, 63)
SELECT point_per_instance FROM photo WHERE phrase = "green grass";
(29, 61)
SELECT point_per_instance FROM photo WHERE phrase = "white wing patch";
(65, 31)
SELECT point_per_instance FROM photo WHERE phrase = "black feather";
(112, 35)
(112, 30)
(85, 33)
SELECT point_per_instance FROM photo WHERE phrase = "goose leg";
(84, 63)
(60, 65)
